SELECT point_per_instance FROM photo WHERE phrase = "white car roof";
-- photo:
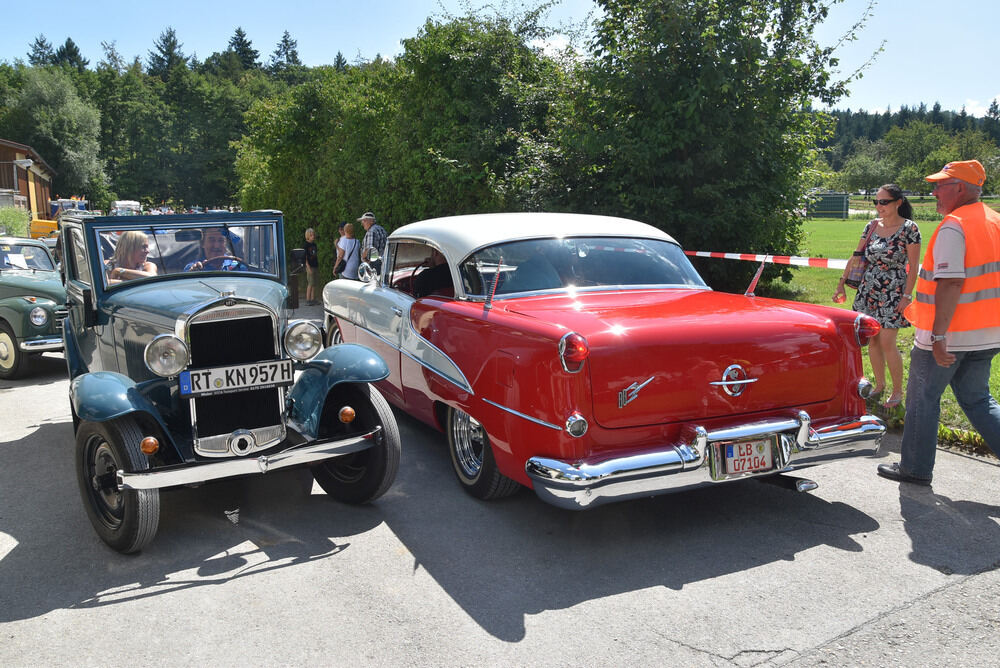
(457, 236)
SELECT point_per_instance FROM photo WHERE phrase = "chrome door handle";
(398, 311)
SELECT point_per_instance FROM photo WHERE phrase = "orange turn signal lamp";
(149, 445)
(347, 415)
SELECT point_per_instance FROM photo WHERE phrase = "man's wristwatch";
(938, 337)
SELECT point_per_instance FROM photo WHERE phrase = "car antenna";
(756, 277)
(496, 279)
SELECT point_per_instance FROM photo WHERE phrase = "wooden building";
(25, 179)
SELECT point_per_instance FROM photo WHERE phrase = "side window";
(78, 257)
(418, 270)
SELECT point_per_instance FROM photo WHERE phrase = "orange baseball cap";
(970, 171)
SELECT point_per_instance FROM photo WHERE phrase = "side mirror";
(366, 273)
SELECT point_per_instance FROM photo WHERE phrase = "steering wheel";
(413, 276)
(215, 263)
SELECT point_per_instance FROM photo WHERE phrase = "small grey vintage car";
(32, 304)
(185, 367)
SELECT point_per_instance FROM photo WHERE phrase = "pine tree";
(339, 62)
(285, 55)
(167, 56)
(69, 54)
(244, 50)
(41, 52)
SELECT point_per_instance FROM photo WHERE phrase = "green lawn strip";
(834, 238)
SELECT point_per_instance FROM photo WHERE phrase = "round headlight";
(166, 355)
(302, 340)
(38, 316)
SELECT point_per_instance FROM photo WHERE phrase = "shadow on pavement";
(50, 557)
(502, 561)
(957, 537)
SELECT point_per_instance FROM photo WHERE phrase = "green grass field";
(834, 238)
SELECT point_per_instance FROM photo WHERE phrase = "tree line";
(868, 150)
(692, 115)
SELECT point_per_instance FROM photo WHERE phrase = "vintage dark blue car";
(185, 367)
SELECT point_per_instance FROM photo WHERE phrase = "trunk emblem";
(734, 380)
(629, 394)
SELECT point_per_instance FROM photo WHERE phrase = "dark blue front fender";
(105, 395)
(342, 363)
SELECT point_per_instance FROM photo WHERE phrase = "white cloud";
(552, 46)
(977, 108)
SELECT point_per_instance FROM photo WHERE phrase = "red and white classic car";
(584, 357)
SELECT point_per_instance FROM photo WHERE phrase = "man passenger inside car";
(130, 258)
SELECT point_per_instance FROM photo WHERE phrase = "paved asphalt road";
(269, 571)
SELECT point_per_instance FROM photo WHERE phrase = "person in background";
(129, 260)
(348, 248)
(375, 237)
(312, 265)
(887, 284)
(956, 318)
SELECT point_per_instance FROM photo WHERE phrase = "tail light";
(573, 352)
(865, 327)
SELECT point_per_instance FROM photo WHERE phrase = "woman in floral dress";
(887, 287)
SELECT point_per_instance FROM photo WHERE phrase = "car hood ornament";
(734, 380)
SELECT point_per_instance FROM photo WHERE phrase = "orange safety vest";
(979, 304)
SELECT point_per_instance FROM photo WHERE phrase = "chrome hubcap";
(470, 441)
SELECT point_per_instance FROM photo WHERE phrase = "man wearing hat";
(375, 237)
(956, 317)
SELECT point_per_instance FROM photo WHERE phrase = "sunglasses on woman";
(883, 202)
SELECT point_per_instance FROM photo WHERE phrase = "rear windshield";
(582, 263)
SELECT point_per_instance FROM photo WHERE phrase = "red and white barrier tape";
(824, 262)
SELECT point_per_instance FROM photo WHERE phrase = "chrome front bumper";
(699, 460)
(41, 345)
(187, 474)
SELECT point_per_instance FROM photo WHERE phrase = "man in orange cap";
(956, 317)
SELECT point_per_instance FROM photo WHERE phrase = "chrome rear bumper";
(187, 474)
(700, 460)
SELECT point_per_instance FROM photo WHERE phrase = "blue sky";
(934, 51)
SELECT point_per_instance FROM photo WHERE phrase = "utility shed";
(25, 178)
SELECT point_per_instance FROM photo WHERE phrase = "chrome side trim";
(464, 385)
(461, 382)
(699, 460)
(41, 345)
(186, 474)
(522, 415)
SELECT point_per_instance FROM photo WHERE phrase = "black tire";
(124, 519)
(13, 362)
(472, 458)
(333, 335)
(363, 476)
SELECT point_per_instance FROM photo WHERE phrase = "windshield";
(591, 262)
(145, 251)
(24, 256)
